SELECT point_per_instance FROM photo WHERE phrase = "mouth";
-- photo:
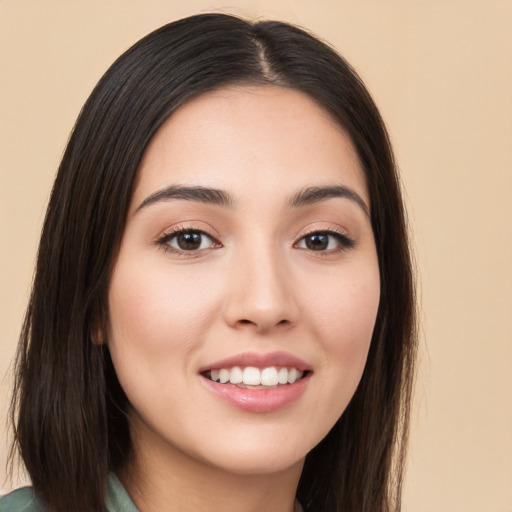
(251, 377)
(258, 383)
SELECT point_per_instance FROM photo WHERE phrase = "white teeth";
(252, 376)
(292, 375)
(282, 376)
(236, 375)
(269, 377)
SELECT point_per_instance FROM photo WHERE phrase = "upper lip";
(282, 359)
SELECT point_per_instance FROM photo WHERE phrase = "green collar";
(118, 499)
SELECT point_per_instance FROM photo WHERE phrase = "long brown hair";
(68, 409)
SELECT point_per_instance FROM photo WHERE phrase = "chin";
(258, 455)
(261, 465)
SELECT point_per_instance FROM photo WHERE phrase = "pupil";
(189, 241)
(317, 242)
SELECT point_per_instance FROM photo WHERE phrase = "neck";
(167, 480)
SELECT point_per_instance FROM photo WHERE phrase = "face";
(245, 292)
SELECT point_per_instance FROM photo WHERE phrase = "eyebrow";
(190, 193)
(312, 195)
(304, 197)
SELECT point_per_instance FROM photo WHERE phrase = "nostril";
(245, 321)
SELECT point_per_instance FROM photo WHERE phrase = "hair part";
(68, 408)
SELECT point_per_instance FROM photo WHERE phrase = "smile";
(251, 377)
(258, 383)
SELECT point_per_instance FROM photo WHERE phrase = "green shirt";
(24, 500)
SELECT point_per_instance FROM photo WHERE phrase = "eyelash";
(342, 240)
(166, 238)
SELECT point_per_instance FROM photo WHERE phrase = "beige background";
(441, 72)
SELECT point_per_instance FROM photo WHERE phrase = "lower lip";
(258, 400)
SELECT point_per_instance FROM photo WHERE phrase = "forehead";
(256, 139)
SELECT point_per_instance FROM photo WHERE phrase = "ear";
(97, 335)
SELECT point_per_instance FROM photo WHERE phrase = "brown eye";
(189, 240)
(317, 241)
(325, 241)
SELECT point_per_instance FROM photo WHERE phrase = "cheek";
(149, 306)
(343, 314)
(158, 321)
(345, 307)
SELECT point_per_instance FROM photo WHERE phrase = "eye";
(325, 241)
(187, 240)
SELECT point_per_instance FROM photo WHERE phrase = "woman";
(222, 315)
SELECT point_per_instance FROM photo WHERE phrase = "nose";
(261, 296)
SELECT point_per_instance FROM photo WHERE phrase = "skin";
(253, 285)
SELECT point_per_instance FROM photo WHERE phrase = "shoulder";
(21, 500)
(24, 499)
